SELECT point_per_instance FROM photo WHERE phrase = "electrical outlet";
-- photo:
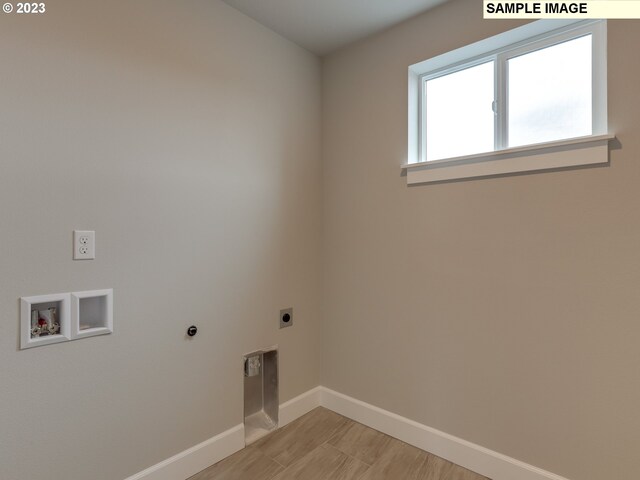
(84, 244)
(286, 317)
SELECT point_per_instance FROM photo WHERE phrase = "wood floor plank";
(248, 463)
(325, 463)
(363, 443)
(438, 468)
(459, 473)
(399, 461)
(299, 438)
(323, 445)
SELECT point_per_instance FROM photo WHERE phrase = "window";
(516, 102)
(549, 93)
(456, 102)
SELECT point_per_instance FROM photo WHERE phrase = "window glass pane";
(549, 94)
(459, 115)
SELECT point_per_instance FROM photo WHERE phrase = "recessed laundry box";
(260, 393)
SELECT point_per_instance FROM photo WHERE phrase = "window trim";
(499, 49)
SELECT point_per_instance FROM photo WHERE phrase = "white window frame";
(592, 149)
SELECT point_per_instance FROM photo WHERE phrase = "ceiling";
(322, 26)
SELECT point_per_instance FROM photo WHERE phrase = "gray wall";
(188, 137)
(501, 310)
(504, 311)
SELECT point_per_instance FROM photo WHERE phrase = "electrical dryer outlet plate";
(286, 317)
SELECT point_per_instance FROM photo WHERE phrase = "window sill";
(591, 150)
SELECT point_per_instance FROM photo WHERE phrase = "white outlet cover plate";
(84, 244)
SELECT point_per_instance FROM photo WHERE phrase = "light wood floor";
(323, 445)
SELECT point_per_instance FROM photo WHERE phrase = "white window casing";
(570, 152)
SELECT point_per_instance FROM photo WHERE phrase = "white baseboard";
(296, 407)
(195, 459)
(461, 452)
